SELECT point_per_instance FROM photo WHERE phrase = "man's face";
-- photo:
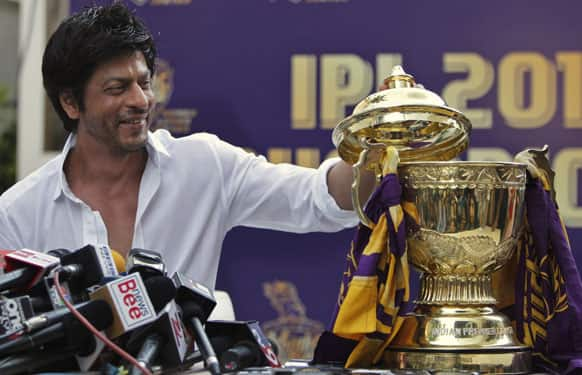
(119, 102)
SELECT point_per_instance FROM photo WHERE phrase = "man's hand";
(538, 166)
(341, 177)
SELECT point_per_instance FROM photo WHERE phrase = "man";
(117, 183)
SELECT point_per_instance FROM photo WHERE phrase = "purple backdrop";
(232, 66)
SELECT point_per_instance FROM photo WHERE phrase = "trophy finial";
(399, 78)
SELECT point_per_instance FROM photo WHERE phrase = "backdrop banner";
(276, 76)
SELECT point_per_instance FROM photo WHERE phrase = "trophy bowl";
(467, 217)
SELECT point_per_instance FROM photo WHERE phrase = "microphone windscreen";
(161, 290)
(191, 309)
(119, 261)
(98, 313)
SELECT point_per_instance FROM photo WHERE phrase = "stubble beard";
(112, 138)
(137, 141)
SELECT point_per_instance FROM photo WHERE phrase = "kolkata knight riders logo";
(176, 120)
(295, 334)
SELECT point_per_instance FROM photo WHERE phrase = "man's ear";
(70, 105)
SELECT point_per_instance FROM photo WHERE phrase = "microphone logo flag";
(26, 258)
(178, 329)
(10, 316)
(264, 344)
(55, 299)
(131, 304)
(106, 260)
(31, 257)
(135, 304)
(12, 313)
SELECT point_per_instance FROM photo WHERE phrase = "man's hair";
(83, 42)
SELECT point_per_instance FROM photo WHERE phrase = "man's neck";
(88, 163)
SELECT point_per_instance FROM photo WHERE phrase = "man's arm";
(339, 183)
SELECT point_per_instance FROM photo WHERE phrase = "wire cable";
(122, 353)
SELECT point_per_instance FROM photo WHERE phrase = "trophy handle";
(356, 189)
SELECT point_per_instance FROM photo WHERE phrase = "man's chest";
(118, 215)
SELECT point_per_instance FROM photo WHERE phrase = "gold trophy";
(470, 215)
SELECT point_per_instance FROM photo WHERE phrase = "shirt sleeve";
(278, 196)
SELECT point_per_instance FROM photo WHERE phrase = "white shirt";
(193, 191)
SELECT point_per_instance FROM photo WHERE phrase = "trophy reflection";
(467, 217)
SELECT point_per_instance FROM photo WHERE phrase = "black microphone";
(81, 269)
(161, 290)
(241, 344)
(87, 266)
(148, 263)
(197, 302)
(97, 261)
(24, 268)
(165, 338)
(48, 318)
(44, 296)
(69, 328)
(16, 278)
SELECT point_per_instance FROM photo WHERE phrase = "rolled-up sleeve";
(326, 202)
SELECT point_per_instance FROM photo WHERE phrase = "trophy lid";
(407, 116)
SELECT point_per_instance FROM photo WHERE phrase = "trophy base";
(499, 361)
(458, 338)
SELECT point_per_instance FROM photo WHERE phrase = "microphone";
(24, 268)
(119, 261)
(40, 293)
(134, 303)
(48, 318)
(88, 266)
(69, 328)
(197, 302)
(17, 278)
(147, 262)
(166, 338)
(242, 344)
(80, 270)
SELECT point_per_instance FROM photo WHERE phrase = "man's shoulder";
(40, 182)
(175, 146)
(166, 138)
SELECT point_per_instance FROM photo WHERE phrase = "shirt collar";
(154, 148)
